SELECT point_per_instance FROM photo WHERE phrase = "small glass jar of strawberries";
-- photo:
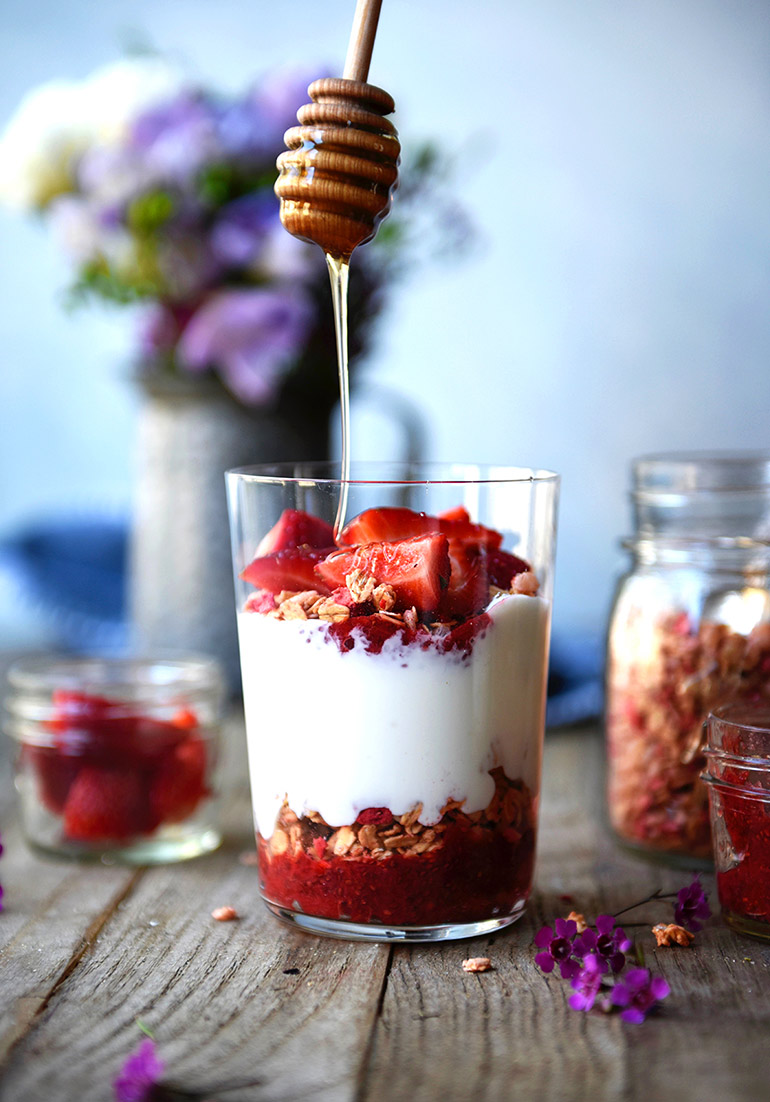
(116, 757)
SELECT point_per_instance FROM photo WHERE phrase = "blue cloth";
(74, 573)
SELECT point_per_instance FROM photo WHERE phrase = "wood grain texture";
(252, 1011)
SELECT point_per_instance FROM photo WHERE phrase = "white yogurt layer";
(337, 733)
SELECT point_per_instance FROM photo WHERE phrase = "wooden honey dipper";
(336, 177)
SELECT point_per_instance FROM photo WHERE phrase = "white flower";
(55, 123)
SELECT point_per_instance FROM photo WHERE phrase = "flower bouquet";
(161, 192)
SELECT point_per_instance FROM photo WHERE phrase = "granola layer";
(466, 867)
(656, 704)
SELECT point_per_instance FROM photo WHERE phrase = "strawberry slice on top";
(468, 589)
(388, 524)
(296, 528)
(417, 568)
(291, 569)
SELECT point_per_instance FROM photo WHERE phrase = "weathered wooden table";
(253, 1010)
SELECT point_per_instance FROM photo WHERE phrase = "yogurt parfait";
(394, 682)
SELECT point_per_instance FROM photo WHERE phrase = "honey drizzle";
(339, 269)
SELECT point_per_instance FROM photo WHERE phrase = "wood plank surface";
(252, 1010)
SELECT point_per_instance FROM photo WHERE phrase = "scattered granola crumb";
(477, 964)
(670, 934)
(248, 857)
(224, 914)
(579, 921)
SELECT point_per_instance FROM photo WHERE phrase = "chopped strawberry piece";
(260, 602)
(109, 732)
(107, 805)
(375, 816)
(54, 773)
(465, 531)
(468, 590)
(179, 783)
(387, 525)
(372, 632)
(296, 528)
(418, 569)
(465, 635)
(458, 513)
(291, 569)
(502, 567)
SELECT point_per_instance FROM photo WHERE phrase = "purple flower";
(178, 137)
(241, 228)
(638, 992)
(692, 908)
(607, 942)
(587, 983)
(557, 946)
(139, 1074)
(252, 128)
(252, 337)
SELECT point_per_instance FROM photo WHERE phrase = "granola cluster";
(657, 700)
(378, 835)
(363, 594)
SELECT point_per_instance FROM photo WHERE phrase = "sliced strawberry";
(375, 816)
(179, 783)
(418, 569)
(110, 732)
(291, 569)
(467, 532)
(296, 528)
(502, 567)
(468, 590)
(260, 602)
(54, 773)
(369, 632)
(465, 635)
(107, 805)
(458, 513)
(387, 525)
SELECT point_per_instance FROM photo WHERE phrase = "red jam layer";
(742, 838)
(475, 874)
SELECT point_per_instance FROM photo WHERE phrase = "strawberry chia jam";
(738, 778)
(394, 689)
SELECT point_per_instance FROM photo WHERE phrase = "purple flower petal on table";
(545, 961)
(587, 983)
(692, 908)
(610, 943)
(565, 927)
(556, 944)
(637, 993)
(544, 937)
(252, 337)
(139, 1074)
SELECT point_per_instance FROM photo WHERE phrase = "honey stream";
(339, 268)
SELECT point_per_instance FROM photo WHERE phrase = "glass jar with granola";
(689, 630)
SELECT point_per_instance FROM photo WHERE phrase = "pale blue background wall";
(616, 158)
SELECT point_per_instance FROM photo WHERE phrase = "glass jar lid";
(702, 494)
